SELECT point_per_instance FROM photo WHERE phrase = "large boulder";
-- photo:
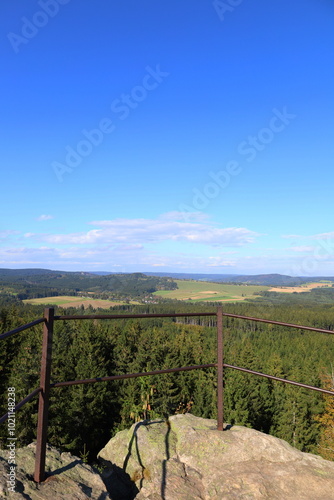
(187, 458)
(67, 478)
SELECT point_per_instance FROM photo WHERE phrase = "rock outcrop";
(183, 459)
(188, 459)
(68, 478)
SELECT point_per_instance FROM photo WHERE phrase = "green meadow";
(206, 291)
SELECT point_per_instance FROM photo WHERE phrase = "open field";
(207, 291)
(70, 301)
(302, 288)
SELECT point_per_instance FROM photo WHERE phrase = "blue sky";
(168, 136)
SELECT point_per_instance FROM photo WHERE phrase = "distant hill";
(257, 279)
(272, 279)
(37, 283)
(25, 272)
(195, 276)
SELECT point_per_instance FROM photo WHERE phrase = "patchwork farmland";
(196, 291)
(307, 287)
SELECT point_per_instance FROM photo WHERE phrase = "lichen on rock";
(188, 459)
(67, 477)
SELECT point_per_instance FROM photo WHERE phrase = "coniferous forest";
(83, 418)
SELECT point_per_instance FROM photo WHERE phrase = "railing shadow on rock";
(45, 370)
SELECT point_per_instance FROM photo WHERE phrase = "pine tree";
(326, 442)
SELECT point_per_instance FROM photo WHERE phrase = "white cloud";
(131, 258)
(292, 236)
(44, 217)
(128, 258)
(184, 216)
(323, 236)
(127, 248)
(319, 236)
(141, 231)
(6, 234)
(221, 260)
(134, 244)
(302, 248)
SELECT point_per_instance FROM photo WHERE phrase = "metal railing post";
(43, 405)
(220, 370)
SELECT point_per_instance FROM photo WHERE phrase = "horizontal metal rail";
(169, 315)
(181, 315)
(127, 316)
(21, 403)
(281, 323)
(188, 368)
(285, 380)
(21, 328)
(132, 375)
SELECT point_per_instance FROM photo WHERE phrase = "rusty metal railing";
(44, 389)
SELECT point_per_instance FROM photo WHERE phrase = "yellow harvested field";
(298, 289)
(104, 304)
(70, 301)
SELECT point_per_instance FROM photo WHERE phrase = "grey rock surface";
(184, 459)
(188, 459)
(68, 478)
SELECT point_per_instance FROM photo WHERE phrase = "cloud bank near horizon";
(170, 241)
